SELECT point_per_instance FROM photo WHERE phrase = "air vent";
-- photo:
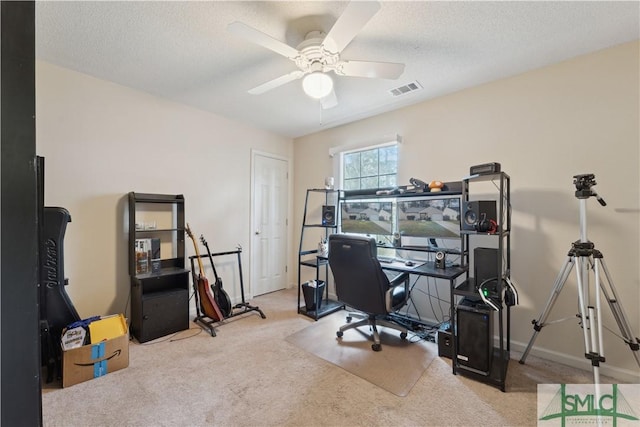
(402, 90)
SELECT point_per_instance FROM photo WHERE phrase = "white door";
(269, 224)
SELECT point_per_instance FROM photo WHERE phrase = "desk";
(428, 269)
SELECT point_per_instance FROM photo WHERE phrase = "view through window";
(371, 168)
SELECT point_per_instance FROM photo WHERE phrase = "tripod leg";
(591, 321)
(557, 287)
(587, 313)
(617, 310)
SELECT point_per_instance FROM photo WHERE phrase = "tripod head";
(583, 183)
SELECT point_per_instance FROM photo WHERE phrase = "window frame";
(363, 149)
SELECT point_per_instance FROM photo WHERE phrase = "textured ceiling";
(183, 52)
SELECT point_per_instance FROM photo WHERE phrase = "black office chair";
(362, 284)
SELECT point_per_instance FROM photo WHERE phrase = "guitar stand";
(200, 317)
(238, 309)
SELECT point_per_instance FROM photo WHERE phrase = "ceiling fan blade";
(380, 70)
(272, 84)
(329, 101)
(349, 24)
(262, 39)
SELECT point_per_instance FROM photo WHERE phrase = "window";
(370, 168)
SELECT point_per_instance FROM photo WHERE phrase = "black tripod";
(586, 257)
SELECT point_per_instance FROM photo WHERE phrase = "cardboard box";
(96, 360)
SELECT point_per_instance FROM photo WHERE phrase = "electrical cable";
(171, 338)
(487, 299)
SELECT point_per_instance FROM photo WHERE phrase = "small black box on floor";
(474, 338)
(444, 342)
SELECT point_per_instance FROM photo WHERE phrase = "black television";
(367, 217)
(435, 217)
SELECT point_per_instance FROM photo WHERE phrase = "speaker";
(474, 330)
(328, 215)
(475, 212)
(444, 343)
(485, 264)
(440, 259)
(397, 240)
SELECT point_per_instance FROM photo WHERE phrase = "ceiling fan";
(319, 54)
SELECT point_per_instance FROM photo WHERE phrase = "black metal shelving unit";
(499, 361)
(311, 258)
(159, 300)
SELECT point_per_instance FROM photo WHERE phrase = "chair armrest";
(402, 277)
(390, 301)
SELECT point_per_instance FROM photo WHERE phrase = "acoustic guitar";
(219, 294)
(208, 304)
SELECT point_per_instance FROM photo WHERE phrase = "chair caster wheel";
(376, 347)
(339, 334)
(403, 335)
(349, 319)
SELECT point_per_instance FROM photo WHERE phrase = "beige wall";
(101, 141)
(544, 126)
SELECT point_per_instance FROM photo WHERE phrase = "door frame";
(252, 257)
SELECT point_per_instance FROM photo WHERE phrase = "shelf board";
(485, 177)
(327, 307)
(167, 271)
(309, 263)
(157, 198)
(423, 249)
(160, 230)
(467, 288)
(478, 233)
(323, 190)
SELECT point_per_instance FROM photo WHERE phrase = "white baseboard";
(624, 375)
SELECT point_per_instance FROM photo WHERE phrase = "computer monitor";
(436, 217)
(367, 217)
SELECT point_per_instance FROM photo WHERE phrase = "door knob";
(257, 232)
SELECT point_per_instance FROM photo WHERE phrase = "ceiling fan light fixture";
(317, 84)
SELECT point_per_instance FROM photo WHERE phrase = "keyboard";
(385, 259)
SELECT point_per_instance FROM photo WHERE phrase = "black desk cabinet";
(159, 299)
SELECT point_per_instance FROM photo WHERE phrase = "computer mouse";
(409, 263)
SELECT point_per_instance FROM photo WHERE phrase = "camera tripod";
(586, 257)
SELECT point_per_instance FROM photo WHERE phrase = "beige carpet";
(251, 376)
(396, 368)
